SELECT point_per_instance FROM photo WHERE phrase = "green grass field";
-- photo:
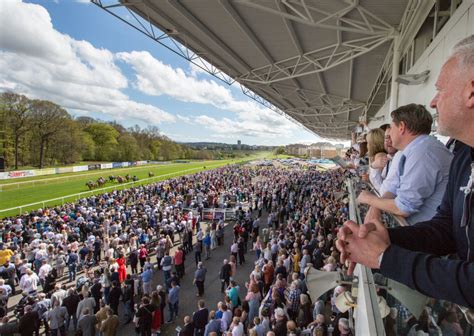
(42, 188)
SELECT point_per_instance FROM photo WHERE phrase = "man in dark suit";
(188, 328)
(200, 318)
(224, 275)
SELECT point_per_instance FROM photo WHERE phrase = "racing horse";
(91, 185)
(101, 181)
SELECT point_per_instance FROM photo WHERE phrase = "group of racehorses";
(112, 178)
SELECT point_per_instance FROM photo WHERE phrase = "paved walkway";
(212, 293)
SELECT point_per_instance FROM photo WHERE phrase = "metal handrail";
(367, 318)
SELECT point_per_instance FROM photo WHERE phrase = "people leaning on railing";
(413, 255)
(423, 169)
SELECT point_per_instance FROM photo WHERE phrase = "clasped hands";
(362, 244)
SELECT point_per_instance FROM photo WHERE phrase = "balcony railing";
(368, 318)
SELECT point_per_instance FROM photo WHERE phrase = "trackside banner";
(20, 173)
(80, 168)
(46, 171)
(72, 169)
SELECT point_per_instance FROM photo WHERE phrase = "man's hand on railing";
(363, 244)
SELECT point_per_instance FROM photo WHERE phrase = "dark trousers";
(60, 331)
(145, 330)
(241, 257)
(197, 256)
(74, 320)
(200, 287)
(72, 272)
(96, 256)
(114, 307)
(180, 270)
(142, 263)
(173, 307)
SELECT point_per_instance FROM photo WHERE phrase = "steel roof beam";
(315, 61)
(318, 111)
(250, 34)
(294, 39)
(204, 29)
(301, 12)
(331, 128)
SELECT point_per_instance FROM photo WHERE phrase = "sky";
(77, 55)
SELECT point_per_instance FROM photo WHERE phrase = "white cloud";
(183, 118)
(155, 78)
(47, 64)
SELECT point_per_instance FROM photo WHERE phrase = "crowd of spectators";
(71, 263)
(290, 227)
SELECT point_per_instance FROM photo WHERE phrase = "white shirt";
(44, 271)
(375, 177)
(238, 330)
(29, 283)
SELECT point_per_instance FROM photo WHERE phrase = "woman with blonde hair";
(377, 153)
(330, 264)
(375, 142)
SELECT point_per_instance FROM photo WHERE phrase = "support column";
(395, 70)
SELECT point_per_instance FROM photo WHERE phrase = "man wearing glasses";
(412, 255)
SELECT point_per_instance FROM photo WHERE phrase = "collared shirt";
(424, 179)
(57, 317)
(200, 274)
(294, 299)
(147, 275)
(392, 177)
(173, 295)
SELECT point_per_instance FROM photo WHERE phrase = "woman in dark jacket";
(304, 314)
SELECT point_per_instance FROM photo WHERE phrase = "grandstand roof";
(319, 62)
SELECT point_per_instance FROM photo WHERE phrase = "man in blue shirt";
(423, 168)
(146, 279)
(173, 301)
(412, 255)
(199, 278)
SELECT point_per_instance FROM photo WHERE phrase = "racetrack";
(67, 189)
